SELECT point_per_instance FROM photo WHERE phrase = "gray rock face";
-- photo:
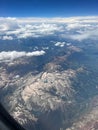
(36, 98)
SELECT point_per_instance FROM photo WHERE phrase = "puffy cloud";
(11, 28)
(7, 38)
(77, 26)
(60, 44)
(27, 27)
(11, 55)
(38, 30)
(35, 30)
(85, 35)
(82, 28)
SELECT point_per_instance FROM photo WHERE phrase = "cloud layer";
(11, 55)
(76, 28)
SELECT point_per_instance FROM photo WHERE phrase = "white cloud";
(85, 35)
(34, 30)
(11, 28)
(85, 19)
(11, 55)
(77, 26)
(60, 44)
(7, 38)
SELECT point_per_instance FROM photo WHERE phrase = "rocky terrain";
(49, 72)
(38, 96)
(89, 120)
(53, 97)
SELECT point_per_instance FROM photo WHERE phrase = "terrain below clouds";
(49, 72)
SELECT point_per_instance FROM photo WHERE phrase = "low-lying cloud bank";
(76, 28)
(11, 55)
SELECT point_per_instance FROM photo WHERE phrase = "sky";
(48, 8)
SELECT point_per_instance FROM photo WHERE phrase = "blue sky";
(48, 8)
